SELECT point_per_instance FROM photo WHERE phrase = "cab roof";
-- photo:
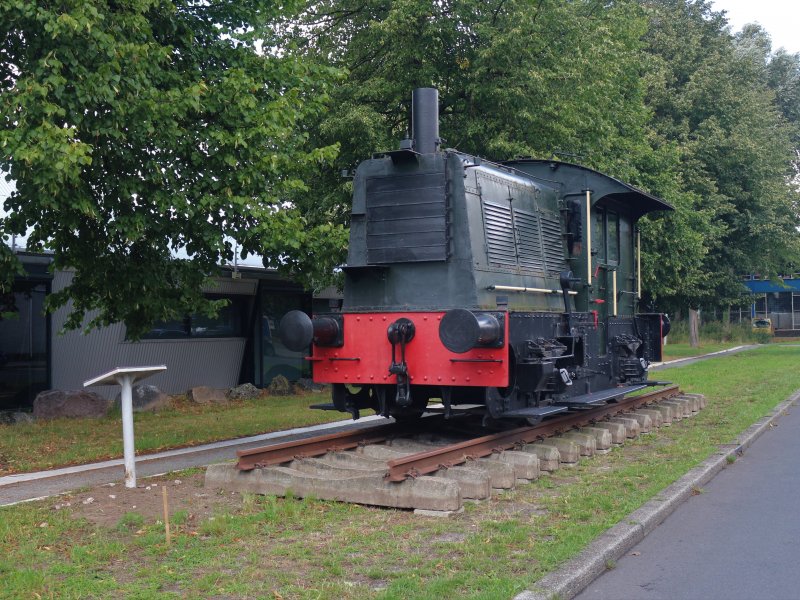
(574, 179)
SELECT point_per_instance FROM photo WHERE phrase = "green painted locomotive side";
(614, 209)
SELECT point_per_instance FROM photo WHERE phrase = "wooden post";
(166, 514)
(694, 327)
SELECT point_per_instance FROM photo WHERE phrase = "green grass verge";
(47, 444)
(715, 332)
(684, 350)
(288, 548)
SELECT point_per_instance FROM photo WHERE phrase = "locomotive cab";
(513, 287)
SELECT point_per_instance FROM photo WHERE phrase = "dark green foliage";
(140, 129)
(737, 213)
(657, 93)
(515, 78)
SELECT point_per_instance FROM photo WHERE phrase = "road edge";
(576, 574)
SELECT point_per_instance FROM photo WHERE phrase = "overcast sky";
(781, 18)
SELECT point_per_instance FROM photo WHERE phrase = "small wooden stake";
(166, 513)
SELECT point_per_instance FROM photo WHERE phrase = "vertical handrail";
(588, 230)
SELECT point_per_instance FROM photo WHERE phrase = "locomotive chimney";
(425, 120)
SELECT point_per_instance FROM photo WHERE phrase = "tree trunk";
(694, 327)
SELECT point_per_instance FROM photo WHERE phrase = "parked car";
(761, 324)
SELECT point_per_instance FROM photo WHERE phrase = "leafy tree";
(141, 129)
(783, 77)
(710, 97)
(656, 92)
(515, 77)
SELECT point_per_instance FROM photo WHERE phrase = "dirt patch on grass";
(107, 504)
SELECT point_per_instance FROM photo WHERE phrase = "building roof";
(765, 286)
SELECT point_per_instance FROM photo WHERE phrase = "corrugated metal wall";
(190, 362)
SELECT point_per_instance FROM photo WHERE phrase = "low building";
(777, 300)
(239, 345)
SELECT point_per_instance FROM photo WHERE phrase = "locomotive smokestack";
(425, 119)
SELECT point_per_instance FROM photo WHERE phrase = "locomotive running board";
(595, 398)
(533, 412)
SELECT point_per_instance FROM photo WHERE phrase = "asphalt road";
(738, 540)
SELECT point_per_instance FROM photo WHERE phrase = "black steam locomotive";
(512, 288)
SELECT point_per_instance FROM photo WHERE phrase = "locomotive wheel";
(408, 417)
(499, 399)
(534, 420)
(413, 412)
(353, 401)
(409, 414)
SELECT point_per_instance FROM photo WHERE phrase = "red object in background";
(366, 355)
(596, 319)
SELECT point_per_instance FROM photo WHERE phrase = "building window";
(272, 358)
(24, 351)
(229, 322)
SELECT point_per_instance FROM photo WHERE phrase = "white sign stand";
(126, 377)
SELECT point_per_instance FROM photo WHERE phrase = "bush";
(762, 337)
(717, 332)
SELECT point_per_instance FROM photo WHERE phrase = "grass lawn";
(47, 444)
(267, 547)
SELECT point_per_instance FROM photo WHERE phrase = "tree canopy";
(138, 129)
(143, 130)
(658, 93)
(515, 78)
(710, 97)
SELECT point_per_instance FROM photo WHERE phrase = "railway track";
(429, 468)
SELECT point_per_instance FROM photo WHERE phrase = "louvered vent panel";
(552, 242)
(529, 240)
(407, 218)
(499, 234)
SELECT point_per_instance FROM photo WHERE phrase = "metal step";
(533, 412)
(599, 397)
(327, 406)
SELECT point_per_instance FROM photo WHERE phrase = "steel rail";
(430, 461)
(315, 446)
(433, 460)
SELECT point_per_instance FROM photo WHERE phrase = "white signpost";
(126, 377)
